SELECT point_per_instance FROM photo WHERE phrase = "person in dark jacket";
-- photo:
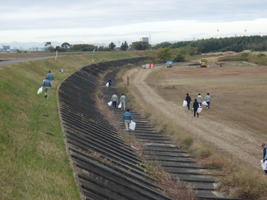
(188, 99)
(127, 117)
(195, 107)
(109, 82)
(263, 145)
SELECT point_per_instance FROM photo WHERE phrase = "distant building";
(145, 39)
(6, 47)
(13, 51)
(117, 48)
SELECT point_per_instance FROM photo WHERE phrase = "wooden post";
(127, 80)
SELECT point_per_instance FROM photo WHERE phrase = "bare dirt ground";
(236, 122)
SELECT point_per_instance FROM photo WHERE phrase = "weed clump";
(188, 141)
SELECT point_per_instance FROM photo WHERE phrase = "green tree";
(165, 54)
(65, 45)
(182, 51)
(124, 46)
(179, 58)
(112, 45)
(51, 49)
(141, 45)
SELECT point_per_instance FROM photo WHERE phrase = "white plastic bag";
(40, 90)
(204, 103)
(107, 84)
(110, 103)
(132, 125)
(199, 110)
(184, 103)
(119, 105)
(264, 165)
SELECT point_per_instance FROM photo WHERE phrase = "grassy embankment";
(257, 58)
(237, 94)
(33, 159)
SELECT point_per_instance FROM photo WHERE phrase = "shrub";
(205, 153)
(260, 55)
(244, 55)
(188, 141)
(179, 58)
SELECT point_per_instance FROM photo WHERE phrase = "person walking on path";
(263, 145)
(123, 101)
(114, 100)
(188, 99)
(199, 99)
(127, 117)
(109, 82)
(208, 100)
(195, 107)
(47, 84)
(50, 77)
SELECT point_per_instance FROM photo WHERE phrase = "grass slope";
(33, 160)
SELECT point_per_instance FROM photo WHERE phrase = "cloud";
(60, 14)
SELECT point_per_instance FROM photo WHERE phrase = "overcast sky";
(119, 20)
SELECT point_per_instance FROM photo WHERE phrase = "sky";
(105, 21)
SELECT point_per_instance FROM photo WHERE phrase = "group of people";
(47, 83)
(127, 115)
(115, 100)
(197, 102)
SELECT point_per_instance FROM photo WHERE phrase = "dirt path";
(224, 135)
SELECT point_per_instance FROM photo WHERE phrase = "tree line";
(140, 45)
(237, 44)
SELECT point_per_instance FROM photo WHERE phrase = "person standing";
(188, 99)
(208, 100)
(195, 107)
(199, 99)
(123, 101)
(127, 117)
(47, 84)
(50, 77)
(264, 154)
(114, 100)
(109, 82)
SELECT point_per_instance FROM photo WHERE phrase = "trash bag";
(40, 90)
(184, 103)
(110, 103)
(132, 125)
(199, 110)
(119, 105)
(204, 103)
(264, 165)
(107, 84)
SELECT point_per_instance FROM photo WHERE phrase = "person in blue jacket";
(47, 85)
(50, 77)
(127, 117)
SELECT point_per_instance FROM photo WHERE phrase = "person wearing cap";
(188, 99)
(208, 100)
(263, 145)
(127, 118)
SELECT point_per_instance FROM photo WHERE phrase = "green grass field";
(33, 159)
